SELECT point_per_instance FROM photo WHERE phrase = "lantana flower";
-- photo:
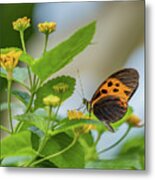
(21, 24)
(77, 115)
(9, 60)
(51, 100)
(47, 27)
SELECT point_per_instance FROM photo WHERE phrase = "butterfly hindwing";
(110, 108)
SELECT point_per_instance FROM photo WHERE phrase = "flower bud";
(21, 24)
(51, 100)
(134, 120)
(47, 27)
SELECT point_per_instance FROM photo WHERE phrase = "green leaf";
(3, 84)
(26, 58)
(71, 124)
(19, 158)
(68, 124)
(24, 97)
(19, 75)
(73, 158)
(87, 142)
(115, 164)
(35, 141)
(134, 147)
(47, 89)
(62, 54)
(88, 138)
(46, 164)
(16, 143)
(33, 120)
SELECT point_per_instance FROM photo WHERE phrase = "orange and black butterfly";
(110, 101)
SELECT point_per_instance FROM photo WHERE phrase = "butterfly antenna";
(79, 93)
(80, 82)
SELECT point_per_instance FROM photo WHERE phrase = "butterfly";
(110, 101)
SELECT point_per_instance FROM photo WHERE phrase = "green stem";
(9, 104)
(5, 129)
(44, 140)
(20, 124)
(97, 139)
(115, 144)
(24, 49)
(30, 103)
(58, 153)
(46, 41)
(34, 80)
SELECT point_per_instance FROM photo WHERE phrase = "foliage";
(41, 137)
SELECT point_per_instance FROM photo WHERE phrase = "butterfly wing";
(110, 109)
(122, 83)
(110, 101)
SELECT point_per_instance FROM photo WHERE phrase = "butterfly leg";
(90, 111)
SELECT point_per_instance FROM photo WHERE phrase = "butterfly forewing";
(122, 84)
(110, 101)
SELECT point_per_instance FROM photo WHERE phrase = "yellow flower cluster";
(47, 27)
(51, 100)
(21, 24)
(9, 60)
(77, 115)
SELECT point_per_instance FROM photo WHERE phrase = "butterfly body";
(110, 101)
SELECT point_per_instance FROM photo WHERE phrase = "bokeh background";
(118, 43)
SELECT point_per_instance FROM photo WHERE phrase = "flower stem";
(115, 144)
(24, 49)
(44, 140)
(20, 124)
(9, 104)
(46, 41)
(30, 103)
(58, 153)
(97, 139)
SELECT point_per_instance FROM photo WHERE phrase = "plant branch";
(5, 129)
(24, 49)
(30, 103)
(58, 153)
(9, 104)
(44, 140)
(46, 41)
(115, 144)
(97, 139)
